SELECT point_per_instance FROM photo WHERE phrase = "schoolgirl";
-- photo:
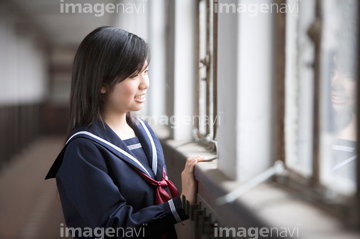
(111, 173)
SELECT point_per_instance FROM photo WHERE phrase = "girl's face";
(128, 95)
(342, 92)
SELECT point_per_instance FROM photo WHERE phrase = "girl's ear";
(103, 90)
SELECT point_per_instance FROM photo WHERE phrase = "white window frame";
(245, 105)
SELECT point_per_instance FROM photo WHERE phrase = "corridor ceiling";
(62, 29)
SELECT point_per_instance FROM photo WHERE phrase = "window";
(321, 97)
(337, 114)
(264, 84)
(311, 96)
(206, 86)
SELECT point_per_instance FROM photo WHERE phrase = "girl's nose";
(336, 82)
(144, 83)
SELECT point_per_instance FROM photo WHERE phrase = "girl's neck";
(118, 123)
(349, 132)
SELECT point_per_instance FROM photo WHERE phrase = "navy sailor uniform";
(104, 183)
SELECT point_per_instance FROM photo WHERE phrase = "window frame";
(312, 187)
(207, 139)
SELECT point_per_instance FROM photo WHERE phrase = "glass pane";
(338, 96)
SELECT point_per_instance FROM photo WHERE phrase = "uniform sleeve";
(84, 185)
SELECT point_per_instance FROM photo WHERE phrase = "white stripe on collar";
(111, 145)
(154, 153)
(343, 148)
(134, 146)
(343, 163)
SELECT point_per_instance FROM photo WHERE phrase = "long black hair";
(106, 56)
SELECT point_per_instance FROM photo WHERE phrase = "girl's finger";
(200, 158)
(192, 161)
(189, 162)
(197, 157)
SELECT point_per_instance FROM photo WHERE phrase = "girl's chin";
(137, 108)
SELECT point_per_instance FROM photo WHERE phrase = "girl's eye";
(134, 76)
(333, 73)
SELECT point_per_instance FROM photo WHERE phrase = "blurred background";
(284, 82)
(38, 41)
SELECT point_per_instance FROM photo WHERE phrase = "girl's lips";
(336, 99)
(140, 98)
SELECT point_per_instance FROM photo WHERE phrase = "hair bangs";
(140, 57)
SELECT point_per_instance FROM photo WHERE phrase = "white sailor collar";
(105, 136)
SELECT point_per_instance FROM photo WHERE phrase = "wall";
(23, 80)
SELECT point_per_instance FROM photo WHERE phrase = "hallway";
(29, 206)
(250, 84)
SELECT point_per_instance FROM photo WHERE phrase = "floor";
(30, 206)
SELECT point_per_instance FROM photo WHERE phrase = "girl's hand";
(188, 182)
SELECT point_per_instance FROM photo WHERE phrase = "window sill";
(263, 206)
